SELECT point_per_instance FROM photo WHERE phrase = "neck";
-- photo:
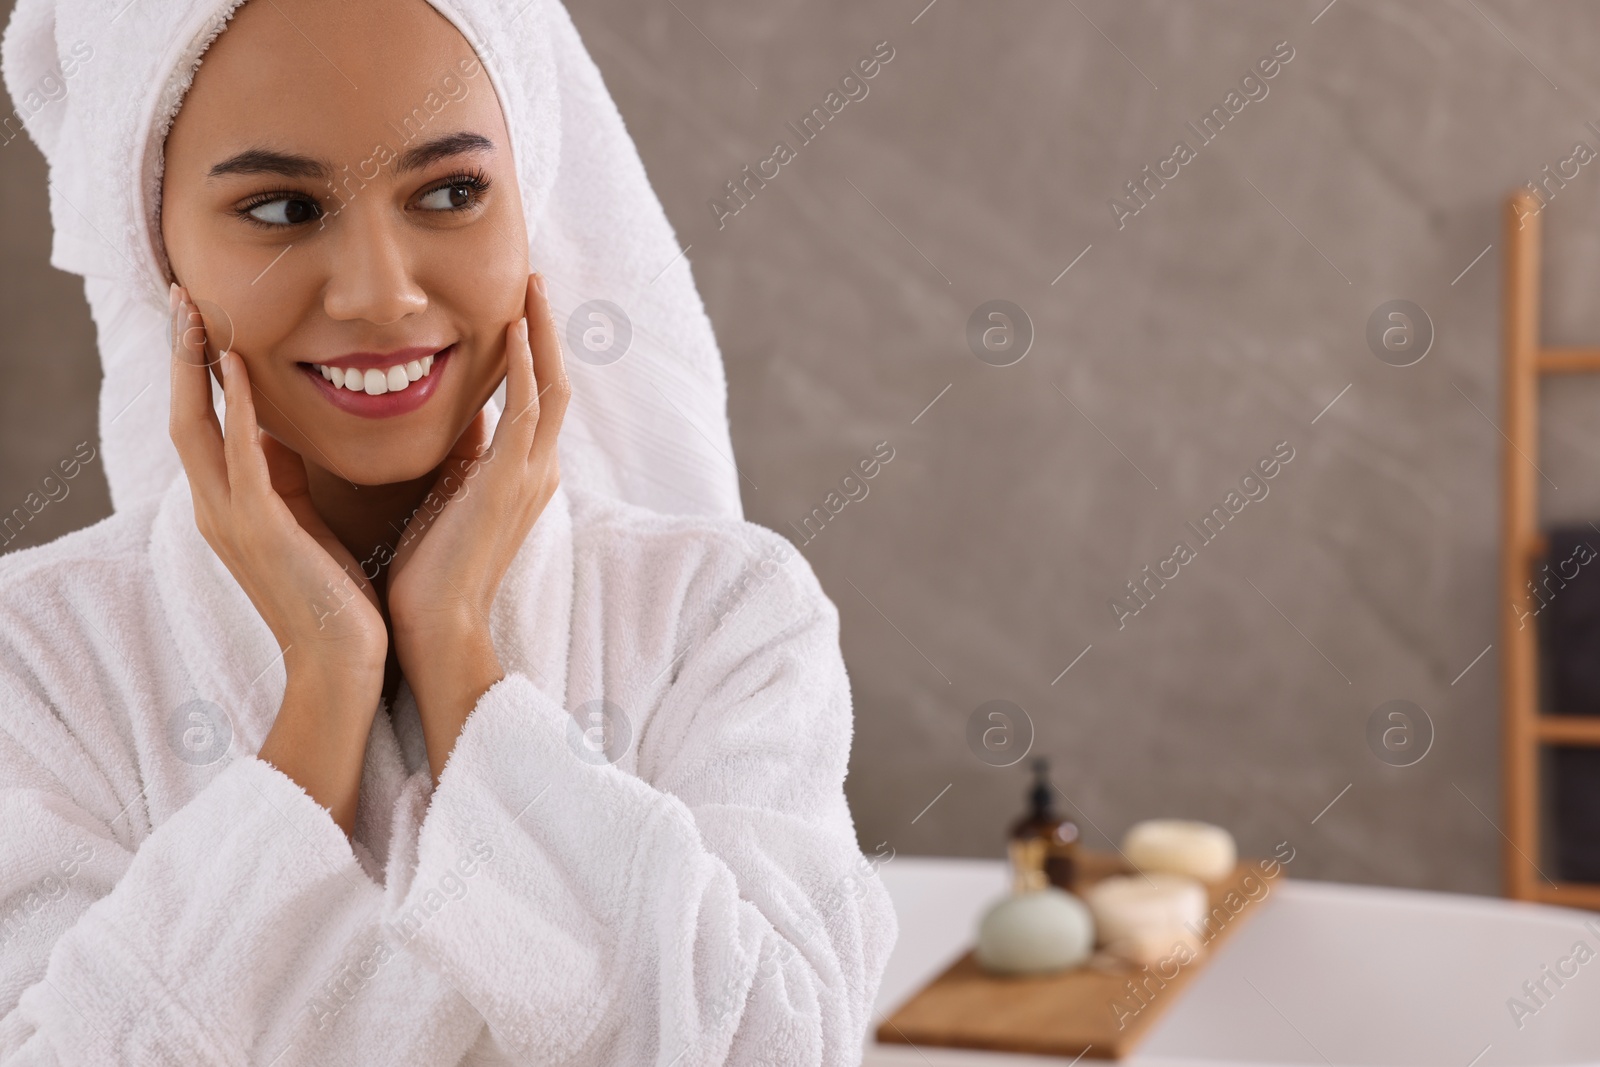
(366, 517)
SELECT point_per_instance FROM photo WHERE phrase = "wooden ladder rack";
(1525, 727)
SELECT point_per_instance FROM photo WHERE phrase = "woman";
(358, 734)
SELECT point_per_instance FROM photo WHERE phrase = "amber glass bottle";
(1043, 847)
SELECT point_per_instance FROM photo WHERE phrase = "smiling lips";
(381, 386)
(375, 381)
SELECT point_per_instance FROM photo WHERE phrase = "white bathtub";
(1342, 975)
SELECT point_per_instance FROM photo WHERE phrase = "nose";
(370, 277)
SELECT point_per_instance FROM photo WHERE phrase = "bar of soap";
(1129, 904)
(1176, 846)
(1035, 932)
(1145, 917)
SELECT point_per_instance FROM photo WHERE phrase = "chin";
(380, 461)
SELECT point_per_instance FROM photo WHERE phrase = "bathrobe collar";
(233, 660)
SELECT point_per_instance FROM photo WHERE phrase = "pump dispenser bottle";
(1043, 847)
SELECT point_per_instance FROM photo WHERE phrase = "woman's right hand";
(252, 506)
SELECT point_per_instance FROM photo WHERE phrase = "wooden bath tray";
(1091, 1009)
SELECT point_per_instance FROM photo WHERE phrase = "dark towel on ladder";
(1566, 603)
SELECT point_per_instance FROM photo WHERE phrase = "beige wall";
(1172, 357)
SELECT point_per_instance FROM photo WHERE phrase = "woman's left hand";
(448, 567)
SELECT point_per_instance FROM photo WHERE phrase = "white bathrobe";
(675, 882)
(639, 851)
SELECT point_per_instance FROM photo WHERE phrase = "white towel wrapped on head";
(651, 428)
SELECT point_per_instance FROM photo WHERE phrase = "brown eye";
(459, 192)
(448, 198)
(282, 211)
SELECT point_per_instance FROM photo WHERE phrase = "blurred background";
(1173, 348)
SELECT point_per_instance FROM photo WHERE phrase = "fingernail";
(227, 366)
(172, 297)
(522, 327)
(538, 283)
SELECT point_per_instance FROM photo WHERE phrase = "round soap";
(1196, 849)
(1154, 946)
(1035, 932)
(1134, 907)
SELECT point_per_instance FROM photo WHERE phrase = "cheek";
(503, 283)
(483, 282)
(500, 255)
(237, 314)
(247, 320)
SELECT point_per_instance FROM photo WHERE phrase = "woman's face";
(339, 190)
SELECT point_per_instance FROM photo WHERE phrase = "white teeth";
(375, 381)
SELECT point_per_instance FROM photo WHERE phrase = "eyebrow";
(290, 165)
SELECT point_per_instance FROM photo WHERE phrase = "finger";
(453, 478)
(469, 446)
(193, 422)
(287, 472)
(248, 478)
(550, 370)
(522, 401)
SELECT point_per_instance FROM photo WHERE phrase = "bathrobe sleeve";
(712, 908)
(240, 930)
